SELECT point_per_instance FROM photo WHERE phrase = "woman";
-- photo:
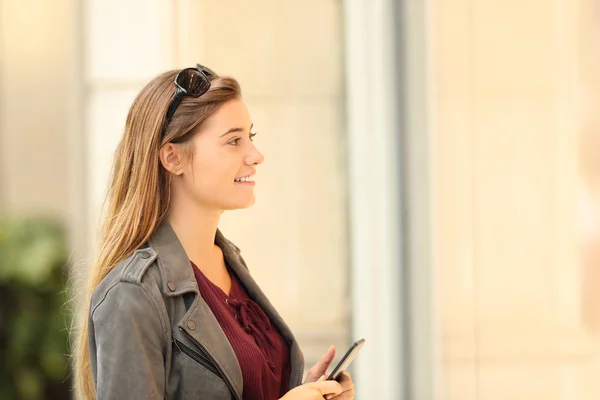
(173, 311)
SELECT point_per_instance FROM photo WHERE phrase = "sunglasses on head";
(194, 82)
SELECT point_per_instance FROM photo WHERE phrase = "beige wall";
(35, 60)
(508, 115)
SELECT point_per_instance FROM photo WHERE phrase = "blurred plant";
(33, 335)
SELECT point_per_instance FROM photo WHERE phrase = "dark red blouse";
(262, 353)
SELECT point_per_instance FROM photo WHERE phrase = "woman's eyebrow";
(234, 130)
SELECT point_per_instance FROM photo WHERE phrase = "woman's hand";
(315, 391)
(320, 370)
(347, 389)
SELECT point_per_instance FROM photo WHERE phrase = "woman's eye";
(235, 141)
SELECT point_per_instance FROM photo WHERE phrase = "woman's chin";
(249, 203)
(241, 205)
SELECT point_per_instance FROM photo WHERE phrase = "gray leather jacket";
(151, 336)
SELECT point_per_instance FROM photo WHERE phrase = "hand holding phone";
(346, 360)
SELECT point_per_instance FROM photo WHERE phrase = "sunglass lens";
(193, 82)
(207, 71)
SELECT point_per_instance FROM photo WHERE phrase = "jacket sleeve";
(126, 339)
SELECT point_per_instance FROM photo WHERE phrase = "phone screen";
(346, 360)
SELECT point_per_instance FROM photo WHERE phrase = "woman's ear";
(170, 158)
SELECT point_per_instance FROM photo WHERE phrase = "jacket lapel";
(201, 325)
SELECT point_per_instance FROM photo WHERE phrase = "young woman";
(173, 311)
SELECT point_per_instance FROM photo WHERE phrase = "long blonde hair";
(137, 199)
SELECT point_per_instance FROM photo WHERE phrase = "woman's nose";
(255, 157)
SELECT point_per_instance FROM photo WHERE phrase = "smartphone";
(346, 360)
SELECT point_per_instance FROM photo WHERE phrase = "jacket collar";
(174, 264)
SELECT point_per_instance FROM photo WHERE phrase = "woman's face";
(221, 173)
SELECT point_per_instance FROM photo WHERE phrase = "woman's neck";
(196, 229)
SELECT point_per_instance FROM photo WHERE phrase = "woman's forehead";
(231, 115)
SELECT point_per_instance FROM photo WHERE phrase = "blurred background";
(432, 179)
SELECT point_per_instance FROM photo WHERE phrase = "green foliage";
(33, 336)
